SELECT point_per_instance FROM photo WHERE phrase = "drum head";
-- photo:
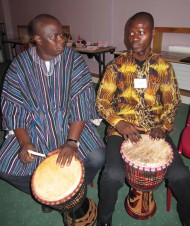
(147, 153)
(52, 184)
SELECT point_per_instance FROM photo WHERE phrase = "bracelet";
(71, 140)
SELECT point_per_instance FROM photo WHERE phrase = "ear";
(153, 32)
(37, 39)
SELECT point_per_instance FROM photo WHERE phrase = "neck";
(142, 56)
(43, 56)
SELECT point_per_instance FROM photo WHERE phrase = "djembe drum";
(146, 163)
(64, 189)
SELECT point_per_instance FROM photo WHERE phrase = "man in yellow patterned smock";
(139, 94)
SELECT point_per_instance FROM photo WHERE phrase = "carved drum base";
(85, 215)
(140, 204)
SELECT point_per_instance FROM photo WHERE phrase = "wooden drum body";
(146, 163)
(64, 189)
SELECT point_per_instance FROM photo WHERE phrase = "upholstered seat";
(185, 140)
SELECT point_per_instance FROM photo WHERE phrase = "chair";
(185, 141)
(23, 36)
(184, 148)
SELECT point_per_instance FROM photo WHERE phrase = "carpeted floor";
(17, 208)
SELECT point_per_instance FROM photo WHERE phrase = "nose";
(136, 37)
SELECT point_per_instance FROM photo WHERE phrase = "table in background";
(99, 55)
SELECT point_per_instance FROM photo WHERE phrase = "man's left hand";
(66, 154)
(157, 133)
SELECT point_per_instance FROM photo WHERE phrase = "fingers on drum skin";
(62, 159)
(125, 137)
(157, 135)
(134, 137)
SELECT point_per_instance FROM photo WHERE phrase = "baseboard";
(185, 96)
(185, 99)
(95, 77)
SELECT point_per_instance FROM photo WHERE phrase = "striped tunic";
(45, 104)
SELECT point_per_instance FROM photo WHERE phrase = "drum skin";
(62, 188)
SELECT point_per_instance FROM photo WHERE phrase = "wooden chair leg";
(168, 201)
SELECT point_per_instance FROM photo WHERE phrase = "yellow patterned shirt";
(150, 107)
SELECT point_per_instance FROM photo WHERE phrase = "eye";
(52, 37)
(141, 32)
(131, 33)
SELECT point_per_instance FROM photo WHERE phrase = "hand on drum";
(23, 154)
(157, 133)
(66, 153)
(128, 130)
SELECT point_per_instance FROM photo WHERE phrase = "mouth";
(60, 48)
(136, 45)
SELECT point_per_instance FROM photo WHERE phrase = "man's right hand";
(23, 154)
(128, 130)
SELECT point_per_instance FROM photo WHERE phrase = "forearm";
(22, 136)
(169, 113)
(69, 149)
(76, 130)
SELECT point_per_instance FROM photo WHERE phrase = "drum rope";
(65, 218)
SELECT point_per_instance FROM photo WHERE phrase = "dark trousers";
(92, 163)
(113, 178)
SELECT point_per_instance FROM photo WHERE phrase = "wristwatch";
(74, 141)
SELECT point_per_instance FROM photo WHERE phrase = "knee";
(178, 176)
(97, 158)
(114, 176)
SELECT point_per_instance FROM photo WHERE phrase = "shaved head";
(143, 16)
(39, 20)
(48, 36)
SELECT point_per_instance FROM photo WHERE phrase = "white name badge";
(140, 83)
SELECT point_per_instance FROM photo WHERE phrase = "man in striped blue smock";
(48, 105)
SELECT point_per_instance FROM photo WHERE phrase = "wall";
(1, 12)
(167, 13)
(97, 20)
